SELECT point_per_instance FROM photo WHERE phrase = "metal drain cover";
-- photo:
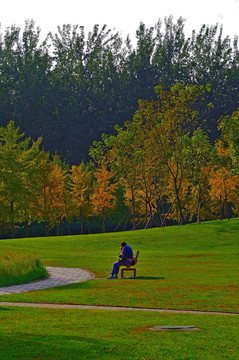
(182, 328)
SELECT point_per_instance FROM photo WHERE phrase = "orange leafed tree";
(223, 188)
(50, 202)
(223, 183)
(81, 179)
(120, 152)
(103, 196)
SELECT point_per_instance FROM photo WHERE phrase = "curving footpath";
(65, 276)
(58, 277)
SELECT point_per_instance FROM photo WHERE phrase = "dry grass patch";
(19, 268)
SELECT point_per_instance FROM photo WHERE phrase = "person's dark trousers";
(116, 267)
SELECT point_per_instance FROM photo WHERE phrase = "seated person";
(125, 258)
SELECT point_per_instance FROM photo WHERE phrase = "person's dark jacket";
(127, 252)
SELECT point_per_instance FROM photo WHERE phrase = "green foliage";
(73, 86)
(229, 125)
(168, 132)
(18, 175)
(160, 160)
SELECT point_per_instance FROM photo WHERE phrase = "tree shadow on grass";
(56, 346)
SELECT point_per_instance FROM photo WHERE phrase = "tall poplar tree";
(19, 165)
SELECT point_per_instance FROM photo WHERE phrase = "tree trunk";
(226, 208)
(158, 212)
(199, 207)
(199, 213)
(182, 219)
(67, 219)
(57, 229)
(81, 222)
(26, 228)
(103, 221)
(12, 230)
(69, 227)
(12, 222)
(133, 207)
(89, 229)
(221, 215)
(164, 222)
(121, 220)
(126, 222)
(46, 229)
(166, 215)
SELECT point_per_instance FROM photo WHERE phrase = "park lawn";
(192, 266)
(37, 333)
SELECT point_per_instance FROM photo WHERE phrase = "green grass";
(192, 266)
(19, 268)
(49, 334)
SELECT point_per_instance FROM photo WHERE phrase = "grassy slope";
(192, 266)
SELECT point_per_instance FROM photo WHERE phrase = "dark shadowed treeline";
(159, 169)
(73, 86)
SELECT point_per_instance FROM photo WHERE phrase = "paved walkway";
(58, 277)
(65, 276)
(117, 308)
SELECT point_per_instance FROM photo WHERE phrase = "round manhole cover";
(179, 328)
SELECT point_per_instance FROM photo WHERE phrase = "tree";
(73, 86)
(223, 183)
(123, 155)
(50, 202)
(171, 121)
(25, 92)
(171, 56)
(202, 156)
(81, 186)
(19, 166)
(229, 125)
(103, 197)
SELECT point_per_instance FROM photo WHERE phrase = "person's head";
(123, 244)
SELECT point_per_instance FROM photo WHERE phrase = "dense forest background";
(98, 134)
(72, 87)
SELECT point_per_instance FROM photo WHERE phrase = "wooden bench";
(129, 267)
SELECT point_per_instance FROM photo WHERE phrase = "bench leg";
(128, 269)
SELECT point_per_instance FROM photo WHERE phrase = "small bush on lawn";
(18, 268)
